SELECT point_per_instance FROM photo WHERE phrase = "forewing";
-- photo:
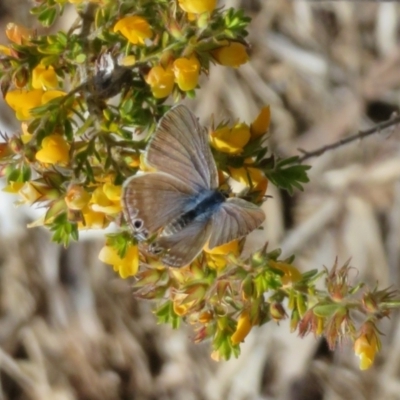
(234, 219)
(152, 200)
(182, 247)
(180, 148)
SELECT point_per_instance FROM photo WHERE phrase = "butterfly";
(181, 200)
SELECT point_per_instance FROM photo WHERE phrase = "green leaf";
(48, 16)
(326, 310)
(68, 130)
(287, 174)
(64, 230)
(12, 175)
(80, 58)
(26, 173)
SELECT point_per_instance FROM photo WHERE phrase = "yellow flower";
(261, 124)
(290, 273)
(92, 220)
(143, 165)
(51, 95)
(127, 266)
(128, 61)
(30, 193)
(252, 178)
(26, 135)
(55, 150)
(197, 6)
(367, 345)
(133, 160)
(161, 81)
(231, 140)
(205, 317)
(23, 101)
(136, 29)
(233, 55)
(13, 187)
(179, 307)
(17, 33)
(107, 199)
(186, 71)
(243, 328)
(217, 257)
(5, 50)
(77, 198)
(227, 248)
(44, 77)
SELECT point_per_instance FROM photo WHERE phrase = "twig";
(359, 135)
(87, 19)
(13, 370)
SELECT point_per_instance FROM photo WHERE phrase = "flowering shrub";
(76, 148)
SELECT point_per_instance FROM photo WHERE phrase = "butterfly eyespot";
(137, 224)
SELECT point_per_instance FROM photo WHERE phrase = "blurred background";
(70, 328)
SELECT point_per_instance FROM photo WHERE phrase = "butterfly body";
(202, 207)
(181, 202)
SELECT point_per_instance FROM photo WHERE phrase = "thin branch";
(15, 372)
(359, 135)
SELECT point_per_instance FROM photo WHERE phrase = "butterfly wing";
(180, 148)
(234, 219)
(152, 200)
(182, 247)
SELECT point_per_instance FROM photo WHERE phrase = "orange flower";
(197, 6)
(44, 77)
(17, 33)
(233, 55)
(133, 160)
(136, 29)
(231, 140)
(186, 71)
(55, 150)
(161, 81)
(261, 124)
(243, 328)
(126, 266)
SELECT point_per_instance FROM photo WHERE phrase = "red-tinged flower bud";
(277, 311)
(16, 145)
(20, 78)
(369, 303)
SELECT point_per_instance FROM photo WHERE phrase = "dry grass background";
(70, 329)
